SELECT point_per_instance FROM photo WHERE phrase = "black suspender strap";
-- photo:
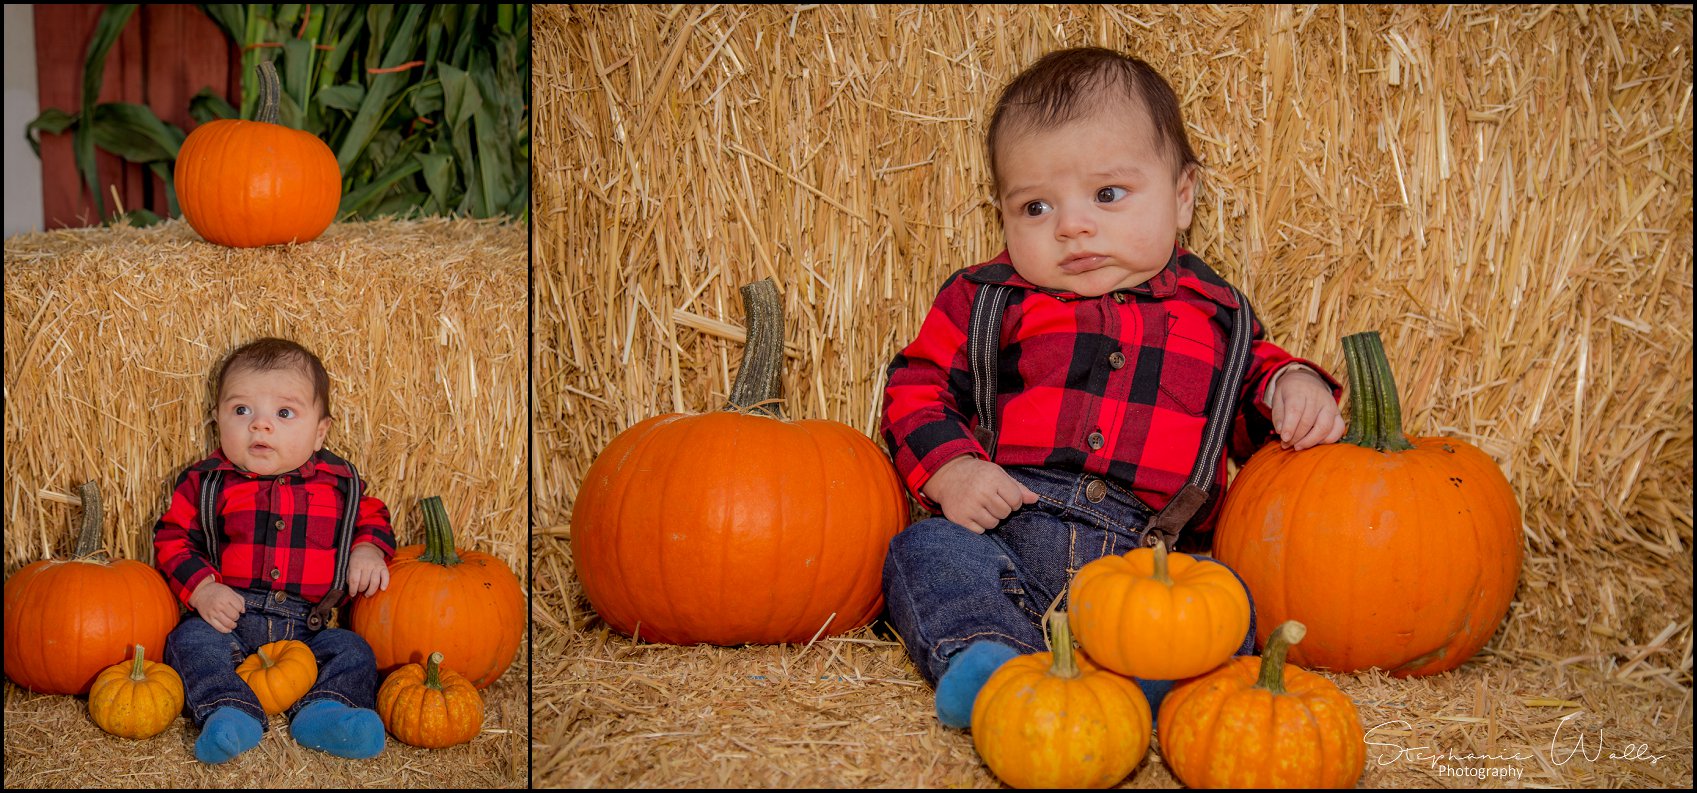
(984, 345)
(212, 529)
(1189, 500)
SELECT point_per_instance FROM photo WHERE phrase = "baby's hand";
(367, 572)
(976, 493)
(218, 604)
(1304, 413)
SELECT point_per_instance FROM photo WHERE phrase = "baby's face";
(270, 422)
(1094, 205)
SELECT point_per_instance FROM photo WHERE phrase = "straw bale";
(111, 336)
(1504, 192)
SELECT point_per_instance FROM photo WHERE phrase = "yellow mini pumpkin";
(280, 674)
(1055, 720)
(136, 699)
(1158, 617)
(430, 705)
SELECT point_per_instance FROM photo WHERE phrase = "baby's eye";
(1109, 195)
(287, 413)
(243, 410)
(1036, 208)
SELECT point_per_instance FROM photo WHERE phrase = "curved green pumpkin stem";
(270, 94)
(1162, 574)
(433, 672)
(1063, 659)
(438, 534)
(88, 541)
(1273, 658)
(138, 672)
(759, 385)
(1375, 412)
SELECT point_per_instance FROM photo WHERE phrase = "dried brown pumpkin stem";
(270, 94)
(759, 384)
(1273, 658)
(88, 542)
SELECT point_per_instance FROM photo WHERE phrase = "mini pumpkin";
(136, 699)
(280, 673)
(1260, 723)
(430, 706)
(1157, 616)
(244, 184)
(1055, 720)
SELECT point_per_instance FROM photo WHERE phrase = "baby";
(263, 565)
(1099, 376)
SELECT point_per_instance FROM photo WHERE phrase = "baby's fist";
(1304, 412)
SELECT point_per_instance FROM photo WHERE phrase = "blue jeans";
(947, 587)
(207, 659)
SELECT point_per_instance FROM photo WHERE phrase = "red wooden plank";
(186, 51)
(61, 44)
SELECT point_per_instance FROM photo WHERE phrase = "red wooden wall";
(167, 53)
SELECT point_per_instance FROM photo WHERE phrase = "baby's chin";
(264, 466)
(1092, 284)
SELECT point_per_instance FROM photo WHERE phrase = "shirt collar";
(321, 461)
(1183, 269)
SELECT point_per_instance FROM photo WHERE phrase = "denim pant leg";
(206, 659)
(946, 587)
(347, 670)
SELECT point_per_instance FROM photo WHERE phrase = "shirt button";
(1116, 360)
(279, 525)
(1095, 440)
(275, 573)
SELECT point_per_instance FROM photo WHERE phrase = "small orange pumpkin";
(1156, 616)
(280, 674)
(1055, 720)
(1258, 723)
(244, 184)
(136, 699)
(430, 706)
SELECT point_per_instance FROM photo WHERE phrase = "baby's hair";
(264, 355)
(1066, 84)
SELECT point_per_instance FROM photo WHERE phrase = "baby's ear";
(1184, 195)
(323, 432)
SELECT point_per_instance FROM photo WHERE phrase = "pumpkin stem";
(270, 94)
(433, 671)
(137, 672)
(88, 542)
(760, 383)
(1064, 661)
(438, 534)
(1161, 575)
(1273, 658)
(1375, 413)
(265, 660)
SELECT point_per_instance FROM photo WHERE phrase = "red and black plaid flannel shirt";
(279, 532)
(1116, 385)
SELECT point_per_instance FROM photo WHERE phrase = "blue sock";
(354, 733)
(227, 732)
(967, 672)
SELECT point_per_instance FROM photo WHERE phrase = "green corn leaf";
(356, 200)
(375, 107)
(51, 121)
(106, 32)
(134, 133)
(207, 106)
(342, 97)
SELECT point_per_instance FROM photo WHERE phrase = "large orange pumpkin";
(465, 604)
(1396, 553)
(68, 620)
(244, 184)
(733, 527)
(1258, 723)
(1055, 720)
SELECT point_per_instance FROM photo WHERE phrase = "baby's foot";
(354, 733)
(228, 732)
(968, 670)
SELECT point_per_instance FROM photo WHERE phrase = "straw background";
(1503, 192)
(111, 338)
